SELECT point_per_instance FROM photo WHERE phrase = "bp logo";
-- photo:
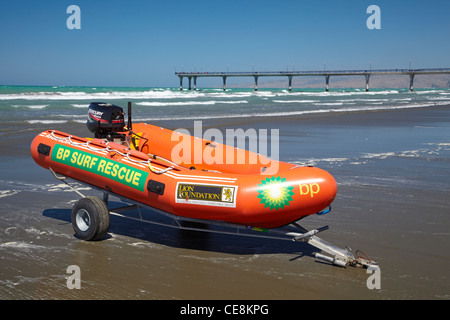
(275, 193)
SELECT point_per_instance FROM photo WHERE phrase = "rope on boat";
(109, 149)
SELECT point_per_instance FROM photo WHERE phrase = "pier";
(411, 73)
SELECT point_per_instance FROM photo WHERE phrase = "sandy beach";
(392, 170)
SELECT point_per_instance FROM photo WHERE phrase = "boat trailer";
(341, 257)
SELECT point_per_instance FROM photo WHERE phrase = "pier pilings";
(324, 73)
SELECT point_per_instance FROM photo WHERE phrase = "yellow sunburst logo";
(274, 193)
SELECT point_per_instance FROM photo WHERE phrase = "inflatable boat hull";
(241, 194)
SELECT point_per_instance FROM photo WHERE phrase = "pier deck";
(325, 73)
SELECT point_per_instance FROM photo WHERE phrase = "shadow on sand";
(189, 239)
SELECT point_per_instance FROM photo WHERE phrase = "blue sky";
(142, 43)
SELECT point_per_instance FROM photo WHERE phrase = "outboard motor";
(105, 120)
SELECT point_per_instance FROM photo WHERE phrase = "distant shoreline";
(270, 85)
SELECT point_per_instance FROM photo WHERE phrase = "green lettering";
(108, 168)
(120, 174)
(66, 154)
(86, 161)
(129, 176)
(114, 169)
(74, 157)
(93, 161)
(59, 154)
(80, 159)
(101, 165)
(136, 178)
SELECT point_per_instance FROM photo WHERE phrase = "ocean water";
(29, 106)
(28, 110)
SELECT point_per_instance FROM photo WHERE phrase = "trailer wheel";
(90, 218)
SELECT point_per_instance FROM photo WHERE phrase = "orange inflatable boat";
(141, 168)
(184, 176)
(238, 193)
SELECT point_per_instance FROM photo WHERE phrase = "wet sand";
(392, 169)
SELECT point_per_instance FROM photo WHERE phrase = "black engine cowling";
(105, 120)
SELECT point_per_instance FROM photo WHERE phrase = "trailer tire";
(90, 218)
